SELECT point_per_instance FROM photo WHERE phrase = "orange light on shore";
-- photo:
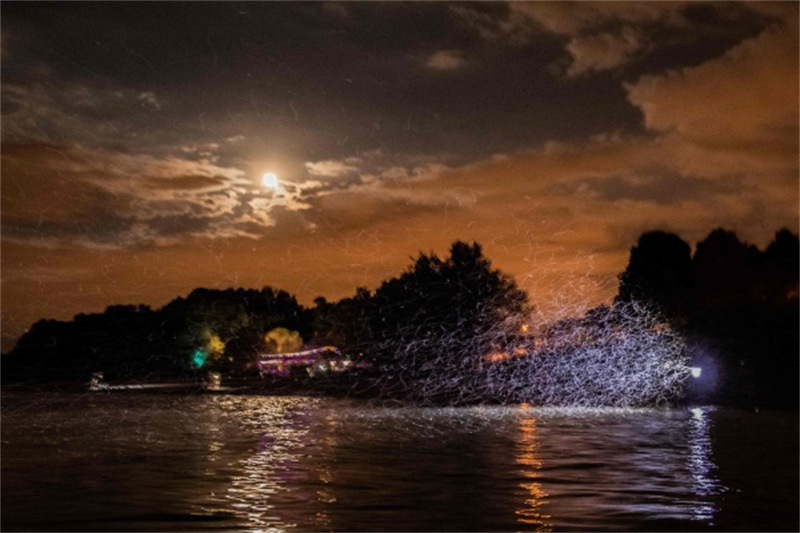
(493, 357)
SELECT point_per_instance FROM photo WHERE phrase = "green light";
(199, 358)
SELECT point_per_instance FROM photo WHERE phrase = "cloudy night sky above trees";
(135, 138)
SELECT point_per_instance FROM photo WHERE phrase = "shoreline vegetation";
(719, 324)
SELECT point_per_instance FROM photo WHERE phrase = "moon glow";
(269, 180)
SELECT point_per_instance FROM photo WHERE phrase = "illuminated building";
(315, 361)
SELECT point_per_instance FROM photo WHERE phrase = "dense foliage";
(736, 306)
(456, 330)
(224, 330)
(424, 333)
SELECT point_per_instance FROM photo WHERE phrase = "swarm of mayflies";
(622, 356)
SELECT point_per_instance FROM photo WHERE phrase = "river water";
(158, 462)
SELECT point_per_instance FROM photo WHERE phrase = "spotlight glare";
(696, 371)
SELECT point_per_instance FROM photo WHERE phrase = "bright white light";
(696, 371)
(269, 180)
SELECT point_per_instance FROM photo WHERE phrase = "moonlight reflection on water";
(155, 462)
(314, 464)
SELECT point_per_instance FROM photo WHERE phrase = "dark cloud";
(662, 189)
(287, 69)
(91, 229)
(186, 182)
(179, 225)
(135, 135)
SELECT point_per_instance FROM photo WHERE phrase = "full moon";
(269, 180)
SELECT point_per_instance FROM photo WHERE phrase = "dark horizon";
(420, 253)
(781, 232)
(723, 309)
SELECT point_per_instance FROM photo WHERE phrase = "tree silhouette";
(430, 334)
(209, 329)
(658, 273)
(429, 328)
(736, 306)
(126, 340)
(781, 267)
(724, 271)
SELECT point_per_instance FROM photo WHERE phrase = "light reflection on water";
(532, 512)
(270, 475)
(600, 464)
(289, 463)
(701, 464)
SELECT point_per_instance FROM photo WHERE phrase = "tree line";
(736, 306)
(425, 335)
(220, 329)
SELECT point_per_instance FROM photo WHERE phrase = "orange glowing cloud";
(747, 96)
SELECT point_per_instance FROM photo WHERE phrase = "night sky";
(135, 136)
